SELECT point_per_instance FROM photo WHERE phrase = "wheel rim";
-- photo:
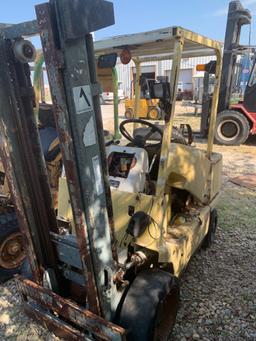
(228, 130)
(12, 252)
(153, 114)
(166, 316)
(128, 113)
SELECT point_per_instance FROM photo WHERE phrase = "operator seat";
(154, 152)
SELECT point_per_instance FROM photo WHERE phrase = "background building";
(153, 70)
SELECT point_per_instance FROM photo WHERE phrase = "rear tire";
(129, 113)
(12, 253)
(149, 310)
(154, 113)
(232, 128)
(211, 234)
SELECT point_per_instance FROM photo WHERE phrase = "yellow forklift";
(140, 208)
(149, 108)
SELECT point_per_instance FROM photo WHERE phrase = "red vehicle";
(236, 123)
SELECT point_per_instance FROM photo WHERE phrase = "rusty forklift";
(140, 208)
(12, 253)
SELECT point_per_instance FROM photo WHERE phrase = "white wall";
(162, 67)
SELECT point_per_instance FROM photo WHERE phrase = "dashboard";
(127, 168)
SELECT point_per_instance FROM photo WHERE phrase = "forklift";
(148, 106)
(235, 122)
(12, 252)
(140, 208)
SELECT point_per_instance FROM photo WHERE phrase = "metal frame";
(89, 207)
(93, 324)
(20, 142)
(238, 16)
(168, 43)
(158, 44)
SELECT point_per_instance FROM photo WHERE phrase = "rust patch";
(16, 198)
(53, 63)
(59, 328)
(69, 311)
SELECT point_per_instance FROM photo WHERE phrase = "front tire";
(149, 310)
(232, 128)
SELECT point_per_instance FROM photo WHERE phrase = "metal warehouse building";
(126, 73)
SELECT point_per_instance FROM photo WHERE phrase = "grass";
(186, 115)
(237, 206)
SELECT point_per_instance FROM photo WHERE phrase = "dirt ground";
(218, 291)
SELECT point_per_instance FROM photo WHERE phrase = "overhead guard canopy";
(158, 44)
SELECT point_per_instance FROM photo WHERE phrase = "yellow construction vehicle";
(163, 196)
(148, 106)
(140, 208)
(148, 109)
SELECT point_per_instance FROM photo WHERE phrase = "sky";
(202, 16)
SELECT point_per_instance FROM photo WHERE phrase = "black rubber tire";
(151, 115)
(129, 113)
(240, 124)
(213, 223)
(8, 226)
(149, 310)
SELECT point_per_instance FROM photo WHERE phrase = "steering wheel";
(139, 140)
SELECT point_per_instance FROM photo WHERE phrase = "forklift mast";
(237, 17)
(249, 101)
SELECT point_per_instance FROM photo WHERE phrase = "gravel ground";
(14, 324)
(218, 290)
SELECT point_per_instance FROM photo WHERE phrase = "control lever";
(152, 162)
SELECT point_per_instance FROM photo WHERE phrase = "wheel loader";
(140, 208)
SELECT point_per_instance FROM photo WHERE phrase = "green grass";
(237, 207)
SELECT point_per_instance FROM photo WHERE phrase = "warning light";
(200, 67)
